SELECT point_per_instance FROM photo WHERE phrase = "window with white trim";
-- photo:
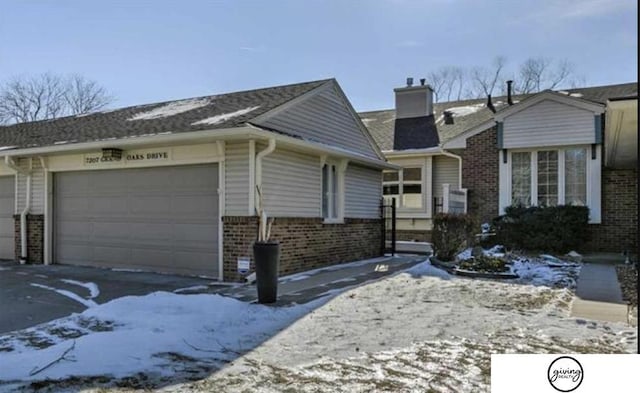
(408, 184)
(521, 178)
(331, 189)
(575, 176)
(545, 172)
(548, 178)
(412, 188)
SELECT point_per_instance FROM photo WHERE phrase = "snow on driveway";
(418, 330)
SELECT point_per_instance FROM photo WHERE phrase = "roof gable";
(549, 96)
(323, 115)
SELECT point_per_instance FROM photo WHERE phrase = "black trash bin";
(267, 260)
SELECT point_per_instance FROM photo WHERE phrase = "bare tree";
(84, 95)
(533, 75)
(486, 79)
(447, 82)
(49, 96)
(539, 73)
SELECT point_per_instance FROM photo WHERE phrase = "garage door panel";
(195, 205)
(74, 252)
(104, 205)
(69, 230)
(7, 205)
(72, 206)
(205, 177)
(161, 219)
(158, 206)
(196, 234)
(107, 255)
(7, 227)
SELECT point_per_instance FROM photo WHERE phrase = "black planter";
(267, 260)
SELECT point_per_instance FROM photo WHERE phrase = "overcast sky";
(149, 51)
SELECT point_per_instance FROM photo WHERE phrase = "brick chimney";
(414, 101)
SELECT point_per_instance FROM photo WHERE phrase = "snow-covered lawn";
(414, 331)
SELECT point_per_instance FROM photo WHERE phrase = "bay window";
(549, 177)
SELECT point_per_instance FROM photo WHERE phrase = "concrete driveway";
(33, 294)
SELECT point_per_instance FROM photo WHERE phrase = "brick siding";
(619, 228)
(35, 238)
(305, 243)
(480, 175)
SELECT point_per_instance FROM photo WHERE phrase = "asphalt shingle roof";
(471, 113)
(200, 113)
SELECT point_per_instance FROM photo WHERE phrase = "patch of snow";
(460, 111)
(225, 116)
(85, 302)
(426, 269)
(7, 147)
(171, 109)
(94, 290)
(152, 325)
(578, 95)
(566, 93)
(412, 330)
(191, 289)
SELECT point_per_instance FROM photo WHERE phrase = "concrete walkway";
(307, 286)
(598, 295)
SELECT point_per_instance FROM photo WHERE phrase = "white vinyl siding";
(291, 184)
(37, 186)
(363, 192)
(237, 179)
(324, 118)
(445, 171)
(549, 123)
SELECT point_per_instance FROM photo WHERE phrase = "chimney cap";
(409, 82)
(422, 81)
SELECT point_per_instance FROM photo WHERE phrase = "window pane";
(325, 191)
(412, 174)
(575, 177)
(412, 195)
(548, 178)
(390, 176)
(391, 189)
(521, 179)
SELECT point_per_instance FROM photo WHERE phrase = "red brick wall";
(35, 238)
(305, 243)
(619, 228)
(480, 162)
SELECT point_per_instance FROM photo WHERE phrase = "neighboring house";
(537, 149)
(171, 187)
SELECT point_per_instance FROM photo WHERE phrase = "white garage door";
(7, 206)
(157, 219)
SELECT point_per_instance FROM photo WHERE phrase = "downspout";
(268, 150)
(27, 206)
(47, 233)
